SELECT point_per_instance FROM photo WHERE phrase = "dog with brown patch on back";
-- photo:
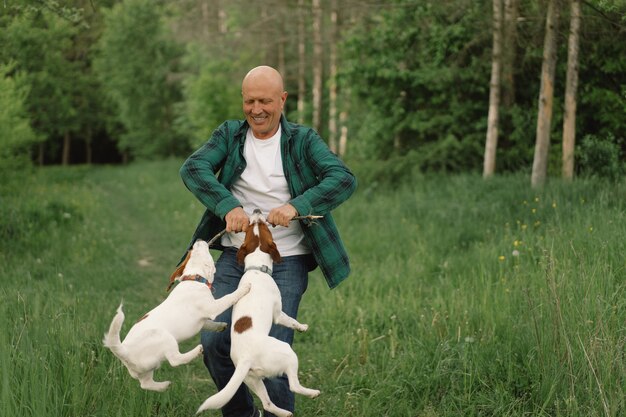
(188, 309)
(254, 352)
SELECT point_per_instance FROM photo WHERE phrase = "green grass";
(439, 317)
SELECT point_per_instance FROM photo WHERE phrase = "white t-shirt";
(263, 185)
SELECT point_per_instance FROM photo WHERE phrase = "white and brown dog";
(257, 355)
(188, 309)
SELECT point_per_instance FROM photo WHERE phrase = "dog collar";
(263, 268)
(197, 278)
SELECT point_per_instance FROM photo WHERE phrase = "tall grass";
(467, 297)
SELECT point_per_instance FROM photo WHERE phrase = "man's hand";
(281, 216)
(237, 220)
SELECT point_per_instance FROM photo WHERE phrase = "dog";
(257, 355)
(189, 308)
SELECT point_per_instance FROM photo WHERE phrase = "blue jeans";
(291, 276)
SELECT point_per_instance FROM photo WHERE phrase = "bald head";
(264, 97)
(265, 75)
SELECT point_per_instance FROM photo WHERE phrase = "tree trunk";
(204, 20)
(569, 117)
(491, 142)
(317, 65)
(546, 95)
(222, 18)
(89, 147)
(301, 62)
(40, 154)
(343, 139)
(265, 35)
(66, 149)
(509, 42)
(282, 68)
(332, 78)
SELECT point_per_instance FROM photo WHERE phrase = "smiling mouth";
(259, 119)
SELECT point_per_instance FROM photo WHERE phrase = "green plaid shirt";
(318, 182)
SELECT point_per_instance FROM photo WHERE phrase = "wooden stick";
(217, 236)
(308, 217)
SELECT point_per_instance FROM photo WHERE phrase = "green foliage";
(601, 157)
(211, 97)
(37, 41)
(416, 74)
(134, 65)
(420, 75)
(516, 139)
(16, 134)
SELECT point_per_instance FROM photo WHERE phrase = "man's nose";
(257, 108)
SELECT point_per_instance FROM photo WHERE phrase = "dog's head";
(197, 262)
(258, 235)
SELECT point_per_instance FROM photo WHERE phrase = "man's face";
(263, 104)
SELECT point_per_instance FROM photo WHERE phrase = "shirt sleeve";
(199, 171)
(335, 181)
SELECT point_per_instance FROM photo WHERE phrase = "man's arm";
(336, 181)
(198, 175)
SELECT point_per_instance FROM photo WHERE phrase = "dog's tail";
(112, 338)
(220, 399)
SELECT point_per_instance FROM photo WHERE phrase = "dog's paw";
(302, 328)
(221, 326)
(161, 386)
(200, 350)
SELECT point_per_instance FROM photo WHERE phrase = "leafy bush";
(210, 98)
(600, 157)
(135, 64)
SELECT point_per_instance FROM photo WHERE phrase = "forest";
(402, 86)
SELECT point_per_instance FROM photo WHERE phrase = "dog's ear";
(179, 271)
(249, 245)
(267, 243)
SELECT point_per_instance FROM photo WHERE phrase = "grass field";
(467, 297)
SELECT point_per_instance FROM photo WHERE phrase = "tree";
(491, 143)
(509, 41)
(134, 66)
(546, 96)
(417, 78)
(318, 65)
(210, 98)
(16, 134)
(569, 118)
(332, 79)
(301, 62)
(38, 42)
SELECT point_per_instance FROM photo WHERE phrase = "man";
(285, 170)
